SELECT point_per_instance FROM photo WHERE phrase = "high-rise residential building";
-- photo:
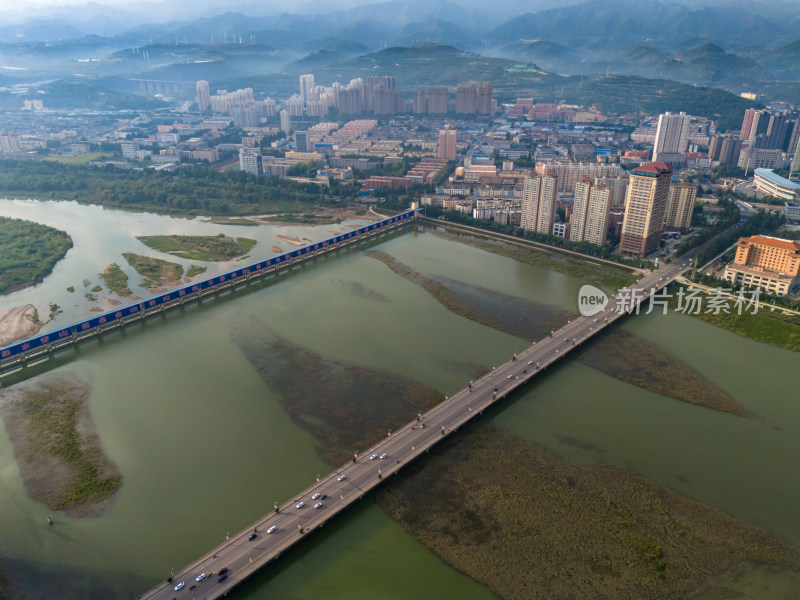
(795, 168)
(671, 135)
(306, 85)
(295, 105)
(597, 213)
(447, 142)
(570, 173)
(270, 109)
(437, 101)
(9, 143)
(645, 203)
(203, 96)
(680, 206)
(419, 104)
(466, 100)
(590, 213)
(759, 158)
(539, 204)
(747, 124)
(617, 186)
(485, 99)
(767, 262)
(286, 121)
(579, 205)
(250, 161)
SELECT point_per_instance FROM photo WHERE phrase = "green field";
(207, 248)
(28, 252)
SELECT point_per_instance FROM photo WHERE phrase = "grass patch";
(207, 248)
(195, 270)
(116, 280)
(97, 288)
(531, 525)
(234, 221)
(767, 326)
(155, 271)
(28, 252)
(71, 289)
(60, 457)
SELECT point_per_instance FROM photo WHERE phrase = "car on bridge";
(300, 504)
(251, 537)
(384, 455)
(341, 478)
(318, 505)
(373, 457)
(200, 577)
(315, 496)
(180, 586)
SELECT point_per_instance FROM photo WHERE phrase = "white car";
(272, 529)
(315, 496)
(384, 455)
(341, 478)
(530, 362)
(200, 577)
(180, 586)
(318, 505)
(300, 504)
(373, 457)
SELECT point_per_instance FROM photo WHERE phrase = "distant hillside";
(338, 53)
(548, 55)
(631, 21)
(785, 61)
(432, 31)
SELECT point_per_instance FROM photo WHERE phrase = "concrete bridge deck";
(241, 556)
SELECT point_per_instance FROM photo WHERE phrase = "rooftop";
(656, 168)
(766, 240)
(777, 179)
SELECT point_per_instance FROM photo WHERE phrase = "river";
(204, 447)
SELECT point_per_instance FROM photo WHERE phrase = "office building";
(570, 173)
(203, 96)
(306, 86)
(759, 158)
(539, 204)
(249, 161)
(447, 142)
(767, 262)
(671, 135)
(301, 142)
(680, 206)
(645, 204)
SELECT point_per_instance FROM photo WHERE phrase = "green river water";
(204, 447)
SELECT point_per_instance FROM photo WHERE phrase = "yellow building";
(767, 262)
(680, 206)
(645, 205)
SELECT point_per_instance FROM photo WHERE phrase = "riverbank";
(59, 455)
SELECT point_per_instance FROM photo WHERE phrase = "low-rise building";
(767, 262)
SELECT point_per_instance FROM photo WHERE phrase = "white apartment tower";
(286, 121)
(306, 85)
(203, 96)
(671, 135)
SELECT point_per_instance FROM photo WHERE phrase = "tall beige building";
(203, 96)
(485, 99)
(539, 204)
(579, 206)
(590, 213)
(680, 206)
(466, 100)
(671, 135)
(597, 212)
(645, 204)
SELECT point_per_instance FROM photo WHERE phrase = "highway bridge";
(223, 568)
